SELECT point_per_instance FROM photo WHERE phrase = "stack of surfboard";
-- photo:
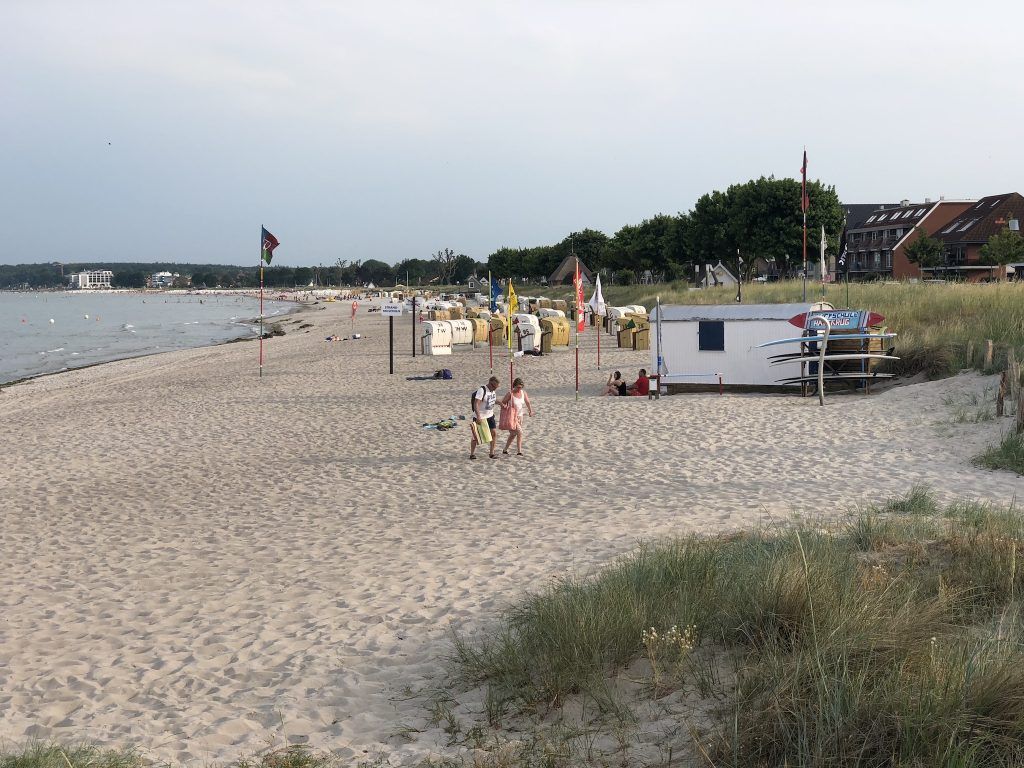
(857, 346)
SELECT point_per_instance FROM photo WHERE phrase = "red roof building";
(964, 236)
(875, 246)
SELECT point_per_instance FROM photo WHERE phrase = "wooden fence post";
(1001, 397)
(989, 349)
(970, 353)
(1020, 413)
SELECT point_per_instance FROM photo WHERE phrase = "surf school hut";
(704, 347)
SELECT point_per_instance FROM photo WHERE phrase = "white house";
(699, 344)
(717, 275)
(96, 278)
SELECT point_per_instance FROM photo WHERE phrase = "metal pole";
(413, 314)
(821, 359)
(261, 316)
(391, 343)
(805, 255)
(657, 343)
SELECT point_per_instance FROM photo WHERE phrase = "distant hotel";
(97, 278)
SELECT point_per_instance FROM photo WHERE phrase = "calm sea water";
(49, 332)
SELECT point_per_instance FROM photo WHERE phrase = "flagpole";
(579, 315)
(261, 308)
(508, 332)
(804, 206)
(491, 306)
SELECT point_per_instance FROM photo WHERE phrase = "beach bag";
(508, 421)
(446, 373)
(482, 432)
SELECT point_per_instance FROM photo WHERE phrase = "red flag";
(580, 314)
(805, 202)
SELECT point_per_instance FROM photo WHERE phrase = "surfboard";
(835, 377)
(812, 358)
(864, 318)
(831, 338)
(814, 355)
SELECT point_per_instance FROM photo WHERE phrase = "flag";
(805, 203)
(267, 245)
(495, 292)
(597, 300)
(580, 313)
(513, 306)
(843, 263)
(824, 269)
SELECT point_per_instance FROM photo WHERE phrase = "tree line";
(443, 268)
(759, 221)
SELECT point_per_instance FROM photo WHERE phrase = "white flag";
(824, 269)
(597, 300)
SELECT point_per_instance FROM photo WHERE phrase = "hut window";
(711, 336)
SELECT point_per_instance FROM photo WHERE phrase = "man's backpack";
(472, 399)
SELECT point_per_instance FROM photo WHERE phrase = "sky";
(152, 130)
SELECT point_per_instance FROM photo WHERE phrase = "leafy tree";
(418, 270)
(302, 276)
(463, 268)
(1004, 247)
(129, 279)
(927, 252)
(376, 271)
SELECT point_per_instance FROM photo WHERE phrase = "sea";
(44, 332)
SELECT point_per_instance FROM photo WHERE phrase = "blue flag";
(495, 295)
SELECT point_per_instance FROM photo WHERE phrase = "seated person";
(615, 385)
(642, 386)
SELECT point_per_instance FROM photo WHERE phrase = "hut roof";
(730, 311)
(567, 269)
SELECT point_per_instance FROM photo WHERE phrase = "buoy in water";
(51, 321)
(86, 317)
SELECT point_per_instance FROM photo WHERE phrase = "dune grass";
(1008, 454)
(894, 640)
(937, 323)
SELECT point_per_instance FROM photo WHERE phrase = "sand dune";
(197, 559)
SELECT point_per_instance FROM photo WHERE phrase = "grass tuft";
(1009, 454)
(894, 640)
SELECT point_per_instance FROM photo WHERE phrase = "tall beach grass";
(895, 640)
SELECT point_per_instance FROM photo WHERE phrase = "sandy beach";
(198, 560)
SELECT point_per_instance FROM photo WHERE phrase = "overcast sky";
(155, 130)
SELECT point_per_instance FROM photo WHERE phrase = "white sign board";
(391, 309)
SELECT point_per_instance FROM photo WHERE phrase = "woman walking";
(512, 407)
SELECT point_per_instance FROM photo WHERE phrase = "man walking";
(483, 413)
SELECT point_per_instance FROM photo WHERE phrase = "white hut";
(701, 344)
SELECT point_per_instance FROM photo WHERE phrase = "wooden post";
(1020, 413)
(1001, 396)
(970, 353)
(989, 350)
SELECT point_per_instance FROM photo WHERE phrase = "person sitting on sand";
(642, 386)
(615, 386)
(512, 407)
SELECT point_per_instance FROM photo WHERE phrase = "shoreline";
(294, 311)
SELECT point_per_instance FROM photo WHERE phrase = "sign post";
(391, 311)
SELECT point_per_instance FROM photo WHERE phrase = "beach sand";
(200, 562)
